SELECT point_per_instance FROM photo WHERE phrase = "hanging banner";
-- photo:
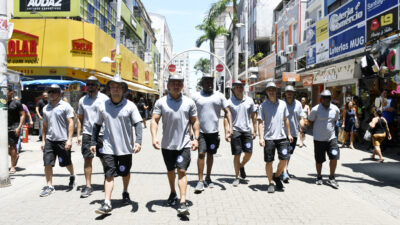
(311, 57)
(382, 25)
(346, 16)
(322, 49)
(348, 41)
(322, 30)
(374, 7)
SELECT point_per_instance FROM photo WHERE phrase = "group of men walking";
(188, 125)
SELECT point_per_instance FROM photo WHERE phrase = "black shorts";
(241, 142)
(292, 145)
(208, 143)
(53, 149)
(321, 148)
(282, 147)
(117, 165)
(176, 159)
(12, 138)
(86, 143)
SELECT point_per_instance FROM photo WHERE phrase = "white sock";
(108, 202)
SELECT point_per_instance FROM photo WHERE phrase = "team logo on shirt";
(248, 145)
(125, 112)
(284, 151)
(60, 159)
(122, 168)
(179, 159)
(59, 112)
(212, 146)
(334, 152)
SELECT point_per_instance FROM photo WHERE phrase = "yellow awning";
(131, 85)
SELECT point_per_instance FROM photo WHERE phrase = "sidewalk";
(369, 192)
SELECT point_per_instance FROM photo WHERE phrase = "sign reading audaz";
(44, 5)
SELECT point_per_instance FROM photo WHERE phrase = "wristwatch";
(196, 138)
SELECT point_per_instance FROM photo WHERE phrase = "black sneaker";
(242, 173)
(86, 192)
(104, 209)
(172, 199)
(71, 184)
(319, 180)
(278, 183)
(125, 198)
(46, 191)
(271, 188)
(183, 210)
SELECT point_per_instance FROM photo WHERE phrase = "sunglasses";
(53, 92)
(91, 84)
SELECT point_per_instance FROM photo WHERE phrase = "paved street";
(369, 192)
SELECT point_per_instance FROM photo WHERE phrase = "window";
(294, 34)
(279, 42)
(286, 40)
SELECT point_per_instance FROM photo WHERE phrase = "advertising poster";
(347, 41)
(382, 24)
(322, 51)
(347, 16)
(375, 7)
(322, 30)
(311, 57)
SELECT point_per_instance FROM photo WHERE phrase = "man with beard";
(209, 104)
(87, 113)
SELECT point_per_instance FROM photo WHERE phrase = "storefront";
(340, 78)
(266, 71)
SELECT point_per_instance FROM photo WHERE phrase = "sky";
(182, 17)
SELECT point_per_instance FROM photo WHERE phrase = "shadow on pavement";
(62, 188)
(163, 203)
(116, 204)
(95, 187)
(193, 184)
(384, 174)
(259, 187)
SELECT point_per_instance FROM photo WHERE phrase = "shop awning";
(46, 82)
(250, 70)
(131, 85)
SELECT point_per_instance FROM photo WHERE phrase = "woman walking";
(349, 123)
(379, 128)
(306, 111)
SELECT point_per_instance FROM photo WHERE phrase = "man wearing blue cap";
(57, 131)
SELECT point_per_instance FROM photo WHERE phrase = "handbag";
(357, 123)
(341, 135)
(367, 135)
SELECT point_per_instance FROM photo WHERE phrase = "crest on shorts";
(334, 152)
(60, 159)
(248, 145)
(284, 151)
(179, 159)
(101, 150)
(212, 146)
(122, 168)
(290, 148)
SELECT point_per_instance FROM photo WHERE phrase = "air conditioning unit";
(309, 23)
(148, 57)
(281, 53)
(290, 49)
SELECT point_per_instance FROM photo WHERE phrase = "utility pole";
(235, 43)
(246, 45)
(118, 27)
(4, 36)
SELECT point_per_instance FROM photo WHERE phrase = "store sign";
(374, 7)
(348, 15)
(135, 70)
(290, 77)
(311, 35)
(22, 48)
(322, 30)
(82, 47)
(382, 25)
(280, 69)
(322, 51)
(337, 72)
(348, 41)
(147, 76)
(44, 5)
(307, 81)
(266, 67)
(311, 56)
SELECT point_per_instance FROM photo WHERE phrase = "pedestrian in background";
(323, 118)
(142, 106)
(306, 112)
(119, 116)
(88, 111)
(243, 110)
(58, 129)
(379, 129)
(28, 119)
(349, 123)
(16, 118)
(177, 111)
(39, 112)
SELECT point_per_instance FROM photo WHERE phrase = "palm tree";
(211, 32)
(203, 65)
(217, 9)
